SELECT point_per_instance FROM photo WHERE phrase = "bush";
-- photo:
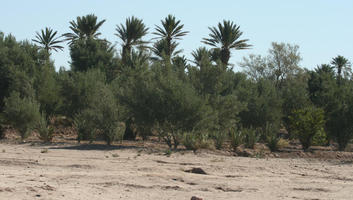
(2, 132)
(46, 132)
(305, 123)
(196, 140)
(219, 138)
(237, 138)
(22, 113)
(320, 138)
(270, 134)
(85, 126)
(251, 137)
(190, 141)
(102, 116)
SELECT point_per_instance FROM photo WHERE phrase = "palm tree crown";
(131, 35)
(84, 27)
(340, 63)
(171, 30)
(226, 37)
(47, 39)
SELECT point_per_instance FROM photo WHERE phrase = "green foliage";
(91, 54)
(22, 113)
(340, 119)
(196, 140)
(102, 116)
(48, 40)
(46, 132)
(161, 98)
(219, 138)
(237, 138)
(320, 138)
(270, 134)
(305, 123)
(251, 137)
(48, 90)
(226, 37)
(76, 88)
(85, 27)
(263, 104)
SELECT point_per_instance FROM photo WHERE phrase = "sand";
(75, 172)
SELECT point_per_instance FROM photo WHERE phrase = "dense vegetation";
(150, 89)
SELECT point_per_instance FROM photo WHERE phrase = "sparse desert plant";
(46, 132)
(115, 155)
(237, 138)
(282, 143)
(250, 137)
(44, 151)
(270, 134)
(190, 141)
(219, 138)
(168, 152)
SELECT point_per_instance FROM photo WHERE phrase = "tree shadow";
(101, 147)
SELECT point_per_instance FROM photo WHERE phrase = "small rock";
(195, 198)
(196, 170)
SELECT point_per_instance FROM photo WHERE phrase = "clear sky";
(322, 28)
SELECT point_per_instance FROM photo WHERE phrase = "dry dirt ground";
(71, 171)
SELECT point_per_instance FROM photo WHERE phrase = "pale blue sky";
(322, 28)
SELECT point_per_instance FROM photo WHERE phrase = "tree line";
(150, 89)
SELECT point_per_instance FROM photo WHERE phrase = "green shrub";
(237, 138)
(320, 138)
(219, 138)
(191, 141)
(2, 131)
(270, 134)
(197, 140)
(102, 116)
(46, 132)
(85, 125)
(305, 123)
(22, 113)
(251, 137)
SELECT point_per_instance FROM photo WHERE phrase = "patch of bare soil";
(141, 170)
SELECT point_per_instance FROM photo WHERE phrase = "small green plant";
(46, 132)
(191, 141)
(251, 137)
(320, 138)
(270, 134)
(44, 151)
(219, 138)
(115, 155)
(237, 138)
(168, 152)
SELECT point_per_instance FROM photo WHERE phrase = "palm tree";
(170, 31)
(340, 63)
(131, 35)
(159, 49)
(200, 54)
(84, 27)
(46, 38)
(224, 38)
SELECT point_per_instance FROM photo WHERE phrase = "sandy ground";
(75, 172)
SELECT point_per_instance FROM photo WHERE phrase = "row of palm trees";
(223, 38)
